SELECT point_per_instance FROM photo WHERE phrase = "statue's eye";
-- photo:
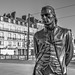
(45, 15)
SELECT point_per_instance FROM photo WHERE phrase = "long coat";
(61, 37)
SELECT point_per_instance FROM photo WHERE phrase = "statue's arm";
(69, 47)
(35, 46)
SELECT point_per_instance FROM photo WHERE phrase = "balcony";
(1, 37)
(13, 31)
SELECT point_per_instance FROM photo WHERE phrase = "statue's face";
(47, 17)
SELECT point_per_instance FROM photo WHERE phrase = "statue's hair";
(48, 7)
(52, 9)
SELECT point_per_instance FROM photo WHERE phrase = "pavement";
(17, 61)
(16, 67)
(24, 67)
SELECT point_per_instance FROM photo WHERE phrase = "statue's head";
(48, 15)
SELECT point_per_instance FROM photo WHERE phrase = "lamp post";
(28, 41)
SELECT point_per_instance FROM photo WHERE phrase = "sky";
(65, 16)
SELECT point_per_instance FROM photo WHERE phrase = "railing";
(17, 57)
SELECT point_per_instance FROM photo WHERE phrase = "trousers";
(46, 71)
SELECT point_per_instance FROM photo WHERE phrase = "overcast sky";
(23, 7)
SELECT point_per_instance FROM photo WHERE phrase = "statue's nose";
(44, 17)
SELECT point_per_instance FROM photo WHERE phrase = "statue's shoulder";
(65, 29)
(39, 33)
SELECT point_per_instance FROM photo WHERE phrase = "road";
(24, 69)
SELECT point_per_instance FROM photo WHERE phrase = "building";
(13, 36)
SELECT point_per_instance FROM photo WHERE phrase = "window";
(19, 51)
(6, 26)
(12, 21)
(16, 22)
(9, 43)
(1, 34)
(9, 35)
(19, 36)
(35, 26)
(25, 24)
(19, 29)
(14, 43)
(23, 44)
(14, 36)
(5, 19)
(21, 23)
(14, 28)
(74, 41)
(30, 25)
(9, 27)
(22, 37)
(1, 42)
(1, 26)
(19, 43)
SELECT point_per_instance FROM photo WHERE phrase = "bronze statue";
(52, 45)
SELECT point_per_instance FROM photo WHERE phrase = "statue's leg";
(38, 70)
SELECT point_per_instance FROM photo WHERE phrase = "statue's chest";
(51, 38)
(52, 41)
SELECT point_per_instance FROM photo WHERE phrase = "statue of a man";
(52, 45)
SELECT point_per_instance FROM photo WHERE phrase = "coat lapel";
(60, 48)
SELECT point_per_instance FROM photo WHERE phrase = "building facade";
(13, 36)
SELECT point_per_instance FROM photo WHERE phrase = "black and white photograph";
(37, 37)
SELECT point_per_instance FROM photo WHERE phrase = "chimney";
(13, 15)
(24, 17)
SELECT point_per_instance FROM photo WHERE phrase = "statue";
(52, 45)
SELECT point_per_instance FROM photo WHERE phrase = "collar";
(54, 30)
